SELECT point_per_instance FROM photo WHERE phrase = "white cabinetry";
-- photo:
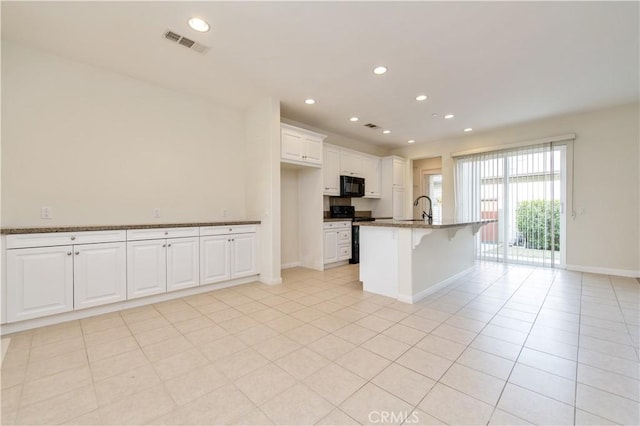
(300, 146)
(371, 174)
(227, 252)
(58, 272)
(393, 190)
(350, 163)
(337, 241)
(156, 264)
(331, 170)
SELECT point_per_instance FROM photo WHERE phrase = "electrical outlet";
(156, 212)
(45, 213)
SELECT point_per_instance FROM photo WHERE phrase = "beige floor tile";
(544, 383)
(167, 348)
(432, 314)
(174, 305)
(355, 333)
(337, 418)
(473, 383)
(148, 324)
(445, 403)
(56, 364)
(15, 358)
(11, 398)
(192, 324)
(496, 347)
(199, 299)
(609, 382)
(138, 408)
(329, 307)
(609, 348)
(362, 362)
(46, 351)
(420, 323)
(54, 385)
(13, 376)
(503, 418)
(117, 364)
(334, 383)
(486, 363)
(455, 334)
(151, 337)
(419, 417)
(266, 315)
(108, 335)
(42, 337)
(224, 315)
(307, 314)
(350, 314)
(89, 419)
(254, 417)
(194, 384)
(265, 383)
(221, 348)
(533, 407)
(391, 314)
(210, 308)
(298, 405)
(560, 349)
(276, 347)
(302, 363)
(142, 313)
(404, 383)
(610, 363)
(241, 363)
(607, 405)
(404, 334)
(550, 363)
(285, 323)
(371, 404)
(442, 347)
(238, 324)
(331, 347)
(206, 335)
(125, 384)
(59, 409)
(425, 363)
(179, 363)
(329, 323)
(254, 335)
(277, 301)
(584, 418)
(182, 315)
(386, 346)
(375, 323)
(101, 323)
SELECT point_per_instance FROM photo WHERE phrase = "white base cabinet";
(99, 274)
(337, 241)
(146, 268)
(227, 253)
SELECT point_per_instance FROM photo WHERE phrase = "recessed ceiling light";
(421, 98)
(199, 25)
(434, 115)
(468, 129)
(379, 70)
(309, 101)
(448, 116)
(386, 132)
(353, 119)
(411, 141)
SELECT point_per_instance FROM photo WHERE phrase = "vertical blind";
(521, 188)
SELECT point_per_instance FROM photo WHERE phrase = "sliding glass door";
(525, 190)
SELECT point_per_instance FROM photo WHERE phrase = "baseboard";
(336, 264)
(604, 271)
(434, 288)
(119, 306)
(290, 265)
(271, 281)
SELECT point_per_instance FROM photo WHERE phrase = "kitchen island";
(410, 259)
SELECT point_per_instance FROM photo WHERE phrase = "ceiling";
(489, 63)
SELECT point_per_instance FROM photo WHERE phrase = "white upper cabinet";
(393, 190)
(300, 146)
(371, 173)
(399, 170)
(350, 163)
(331, 170)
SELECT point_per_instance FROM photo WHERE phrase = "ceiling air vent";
(371, 126)
(186, 42)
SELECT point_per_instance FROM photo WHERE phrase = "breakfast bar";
(411, 259)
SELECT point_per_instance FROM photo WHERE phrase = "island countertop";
(420, 224)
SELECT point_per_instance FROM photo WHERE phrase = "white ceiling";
(489, 63)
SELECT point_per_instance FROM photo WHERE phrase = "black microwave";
(351, 186)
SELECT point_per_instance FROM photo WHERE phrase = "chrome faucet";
(425, 215)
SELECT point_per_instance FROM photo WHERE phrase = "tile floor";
(503, 345)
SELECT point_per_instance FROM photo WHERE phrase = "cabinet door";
(39, 282)
(398, 203)
(330, 246)
(331, 171)
(291, 144)
(214, 259)
(312, 150)
(398, 172)
(146, 268)
(183, 260)
(243, 255)
(350, 164)
(100, 274)
(372, 175)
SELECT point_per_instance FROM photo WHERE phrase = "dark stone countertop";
(36, 230)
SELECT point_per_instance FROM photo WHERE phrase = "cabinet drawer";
(229, 229)
(344, 236)
(336, 225)
(344, 252)
(156, 233)
(49, 239)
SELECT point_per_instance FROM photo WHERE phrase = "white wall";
(604, 235)
(289, 215)
(102, 148)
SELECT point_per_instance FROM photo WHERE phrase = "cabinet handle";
(164, 245)
(169, 245)
(77, 253)
(73, 238)
(166, 233)
(69, 253)
(230, 229)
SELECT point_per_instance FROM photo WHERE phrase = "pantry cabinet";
(371, 174)
(331, 170)
(300, 146)
(393, 190)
